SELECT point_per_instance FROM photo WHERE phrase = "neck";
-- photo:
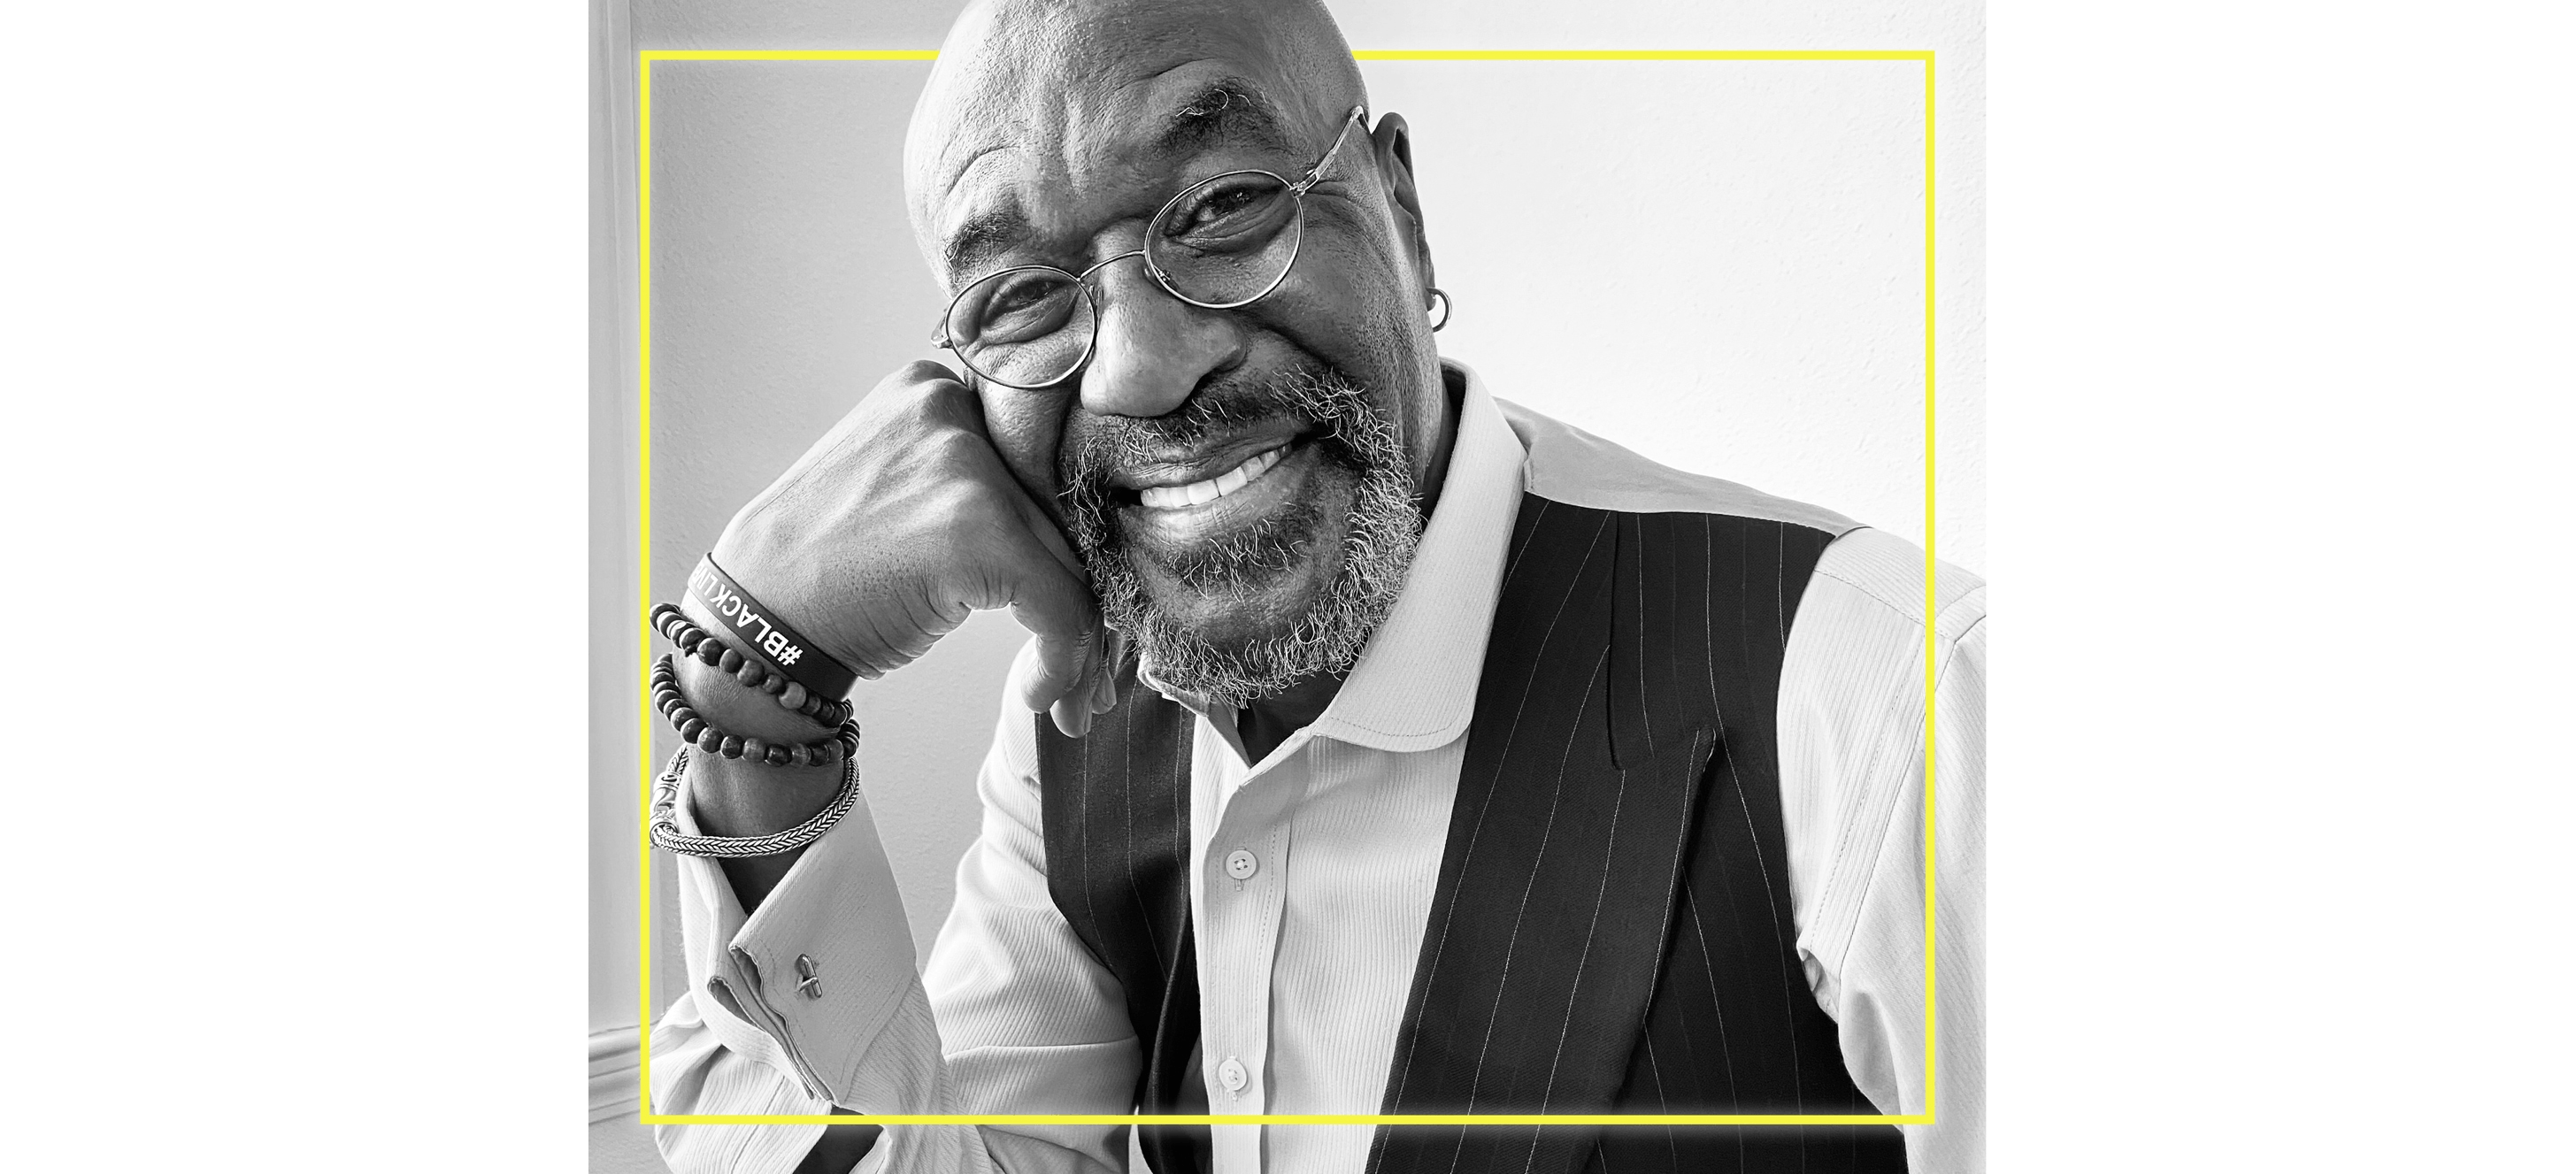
(1444, 437)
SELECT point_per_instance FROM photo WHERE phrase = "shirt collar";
(1414, 686)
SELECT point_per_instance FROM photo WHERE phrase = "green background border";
(297, 470)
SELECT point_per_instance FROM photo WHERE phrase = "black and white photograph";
(1287, 587)
(1201, 570)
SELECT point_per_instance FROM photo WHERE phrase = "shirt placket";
(1241, 836)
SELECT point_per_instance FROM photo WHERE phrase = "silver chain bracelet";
(668, 836)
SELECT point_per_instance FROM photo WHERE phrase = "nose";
(1152, 349)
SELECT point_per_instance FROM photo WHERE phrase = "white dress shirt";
(1312, 874)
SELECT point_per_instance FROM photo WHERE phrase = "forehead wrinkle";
(991, 132)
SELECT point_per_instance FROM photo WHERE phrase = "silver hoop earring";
(1443, 320)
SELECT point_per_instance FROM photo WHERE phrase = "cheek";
(1346, 268)
(1352, 300)
(1343, 303)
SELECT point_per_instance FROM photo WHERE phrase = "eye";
(1018, 306)
(1228, 213)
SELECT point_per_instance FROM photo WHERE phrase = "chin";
(1244, 606)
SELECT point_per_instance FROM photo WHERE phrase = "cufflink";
(806, 977)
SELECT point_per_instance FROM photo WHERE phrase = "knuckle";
(927, 371)
(918, 376)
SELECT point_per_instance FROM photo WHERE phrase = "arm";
(1012, 1016)
(1853, 781)
(878, 541)
(1879, 1000)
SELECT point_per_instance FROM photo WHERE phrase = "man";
(1403, 751)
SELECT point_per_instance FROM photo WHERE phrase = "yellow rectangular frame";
(644, 540)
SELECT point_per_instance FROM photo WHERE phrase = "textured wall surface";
(1717, 264)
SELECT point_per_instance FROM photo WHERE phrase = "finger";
(1112, 654)
(1056, 608)
(1072, 720)
(1074, 711)
(1095, 692)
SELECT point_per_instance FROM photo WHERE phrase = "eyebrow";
(1225, 110)
(984, 237)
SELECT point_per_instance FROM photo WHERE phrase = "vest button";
(1241, 864)
(1232, 1075)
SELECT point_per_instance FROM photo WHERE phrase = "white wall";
(1770, 211)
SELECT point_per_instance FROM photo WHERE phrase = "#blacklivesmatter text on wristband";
(717, 603)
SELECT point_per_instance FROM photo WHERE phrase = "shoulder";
(1571, 466)
(1886, 579)
(1885, 662)
(1871, 632)
(1861, 569)
(1873, 610)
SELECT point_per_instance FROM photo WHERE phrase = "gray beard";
(1384, 528)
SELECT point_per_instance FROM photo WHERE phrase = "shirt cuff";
(811, 978)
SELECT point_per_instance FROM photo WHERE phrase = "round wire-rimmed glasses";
(1220, 244)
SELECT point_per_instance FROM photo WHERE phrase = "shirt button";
(1231, 1074)
(1241, 864)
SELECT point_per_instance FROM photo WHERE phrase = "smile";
(1172, 497)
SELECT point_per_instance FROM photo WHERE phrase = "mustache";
(1327, 402)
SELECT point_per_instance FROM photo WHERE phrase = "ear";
(1394, 143)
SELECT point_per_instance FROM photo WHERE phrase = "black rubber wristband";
(718, 604)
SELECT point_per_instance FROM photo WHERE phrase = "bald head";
(1032, 96)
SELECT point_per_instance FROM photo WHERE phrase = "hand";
(901, 520)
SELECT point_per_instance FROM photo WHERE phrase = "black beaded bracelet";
(692, 640)
(695, 730)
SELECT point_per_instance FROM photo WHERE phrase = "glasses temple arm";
(1315, 175)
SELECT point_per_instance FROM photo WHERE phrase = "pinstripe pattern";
(1731, 984)
(1125, 908)
(1612, 927)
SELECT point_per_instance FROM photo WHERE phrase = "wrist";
(729, 705)
(735, 799)
(717, 604)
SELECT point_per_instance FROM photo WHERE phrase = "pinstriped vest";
(1618, 806)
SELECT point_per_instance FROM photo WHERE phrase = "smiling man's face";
(1242, 484)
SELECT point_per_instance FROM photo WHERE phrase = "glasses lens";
(1022, 327)
(1229, 239)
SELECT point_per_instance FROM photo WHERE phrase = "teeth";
(1165, 497)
